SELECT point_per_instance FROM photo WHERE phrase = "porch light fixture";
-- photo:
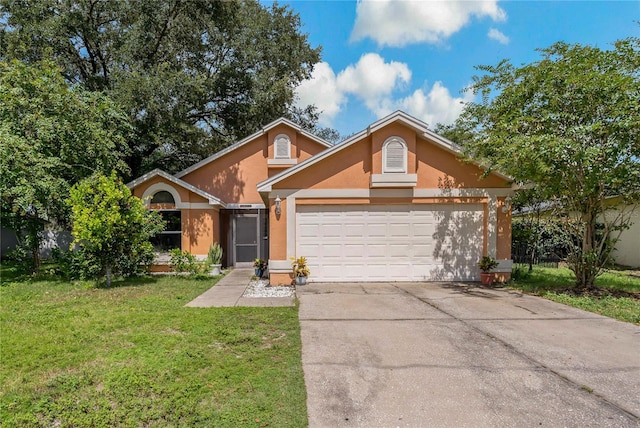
(278, 205)
(507, 204)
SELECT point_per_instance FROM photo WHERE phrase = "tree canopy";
(570, 124)
(51, 136)
(193, 76)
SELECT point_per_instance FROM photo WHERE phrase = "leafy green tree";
(570, 123)
(111, 225)
(51, 136)
(460, 132)
(194, 76)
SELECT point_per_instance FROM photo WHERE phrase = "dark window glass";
(172, 220)
(163, 197)
(171, 237)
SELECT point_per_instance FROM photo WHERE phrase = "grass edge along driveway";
(133, 355)
(619, 295)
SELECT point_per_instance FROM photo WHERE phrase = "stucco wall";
(627, 252)
(350, 169)
(200, 229)
(234, 177)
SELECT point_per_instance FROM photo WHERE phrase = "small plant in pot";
(300, 270)
(214, 258)
(487, 264)
(260, 267)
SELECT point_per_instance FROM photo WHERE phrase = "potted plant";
(300, 270)
(487, 264)
(214, 258)
(260, 267)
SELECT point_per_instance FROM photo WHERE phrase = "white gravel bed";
(261, 288)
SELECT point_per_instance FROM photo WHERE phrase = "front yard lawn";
(133, 355)
(618, 294)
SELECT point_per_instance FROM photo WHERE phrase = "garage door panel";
(377, 230)
(331, 231)
(400, 229)
(309, 230)
(354, 250)
(376, 250)
(398, 250)
(421, 250)
(356, 230)
(391, 243)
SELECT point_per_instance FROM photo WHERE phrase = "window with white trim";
(394, 156)
(282, 147)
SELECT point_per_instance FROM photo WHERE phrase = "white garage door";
(430, 242)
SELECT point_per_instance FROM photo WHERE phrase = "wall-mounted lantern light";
(278, 205)
(507, 204)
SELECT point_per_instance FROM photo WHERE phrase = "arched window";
(394, 156)
(282, 147)
(163, 197)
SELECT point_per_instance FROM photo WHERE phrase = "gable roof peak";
(262, 131)
(190, 187)
(420, 127)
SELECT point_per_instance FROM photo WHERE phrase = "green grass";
(615, 299)
(133, 355)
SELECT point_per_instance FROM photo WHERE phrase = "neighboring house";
(52, 237)
(627, 248)
(395, 202)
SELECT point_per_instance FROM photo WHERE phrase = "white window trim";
(154, 188)
(385, 168)
(158, 187)
(275, 146)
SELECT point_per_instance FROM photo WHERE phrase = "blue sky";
(418, 56)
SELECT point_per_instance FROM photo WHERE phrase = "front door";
(245, 228)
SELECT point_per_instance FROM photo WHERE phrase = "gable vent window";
(282, 147)
(394, 156)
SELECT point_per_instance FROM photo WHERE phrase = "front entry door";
(246, 238)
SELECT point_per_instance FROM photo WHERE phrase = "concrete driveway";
(455, 355)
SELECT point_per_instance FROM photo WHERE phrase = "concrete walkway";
(455, 355)
(229, 292)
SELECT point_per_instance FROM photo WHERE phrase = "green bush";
(81, 264)
(22, 257)
(183, 261)
(76, 264)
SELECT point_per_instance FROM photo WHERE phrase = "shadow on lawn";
(12, 273)
(595, 292)
(561, 282)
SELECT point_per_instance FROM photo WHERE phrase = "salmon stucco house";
(394, 202)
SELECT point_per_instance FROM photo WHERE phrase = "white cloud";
(498, 36)
(398, 23)
(372, 79)
(436, 106)
(322, 90)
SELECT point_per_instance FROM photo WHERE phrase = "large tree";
(193, 75)
(51, 136)
(570, 124)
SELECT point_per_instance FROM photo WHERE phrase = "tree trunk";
(587, 261)
(33, 240)
(108, 274)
